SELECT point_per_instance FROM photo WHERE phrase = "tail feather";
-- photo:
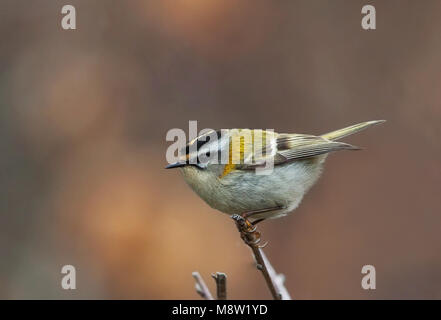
(341, 133)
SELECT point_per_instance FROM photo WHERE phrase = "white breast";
(244, 191)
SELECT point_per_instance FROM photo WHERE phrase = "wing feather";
(299, 146)
(278, 148)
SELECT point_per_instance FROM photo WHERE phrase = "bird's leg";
(247, 229)
(250, 214)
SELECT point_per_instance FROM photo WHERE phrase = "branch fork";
(252, 238)
(202, 289)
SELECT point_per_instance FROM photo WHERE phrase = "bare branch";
(251, 237)
(277, 278)
(201, 287)
(221, 285)
(260, 264)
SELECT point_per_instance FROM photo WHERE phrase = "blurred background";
(84, 114)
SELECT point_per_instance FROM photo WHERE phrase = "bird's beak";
(175, 165)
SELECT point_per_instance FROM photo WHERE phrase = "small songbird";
(234, 186)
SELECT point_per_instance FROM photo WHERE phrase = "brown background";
(84, 115)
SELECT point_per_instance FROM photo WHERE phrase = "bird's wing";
(282, 148)
(252, 148)
(300, 146)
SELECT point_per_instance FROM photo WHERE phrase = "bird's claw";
(248, 231)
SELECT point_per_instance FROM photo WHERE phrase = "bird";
(235, 186)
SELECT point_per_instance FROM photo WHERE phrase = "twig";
(251, 237)
(263, 267)
(221, 285)
(278, 278)
(201, 287)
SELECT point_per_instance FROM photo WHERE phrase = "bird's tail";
(338, 134)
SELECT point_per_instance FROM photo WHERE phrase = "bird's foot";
(248, 231)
